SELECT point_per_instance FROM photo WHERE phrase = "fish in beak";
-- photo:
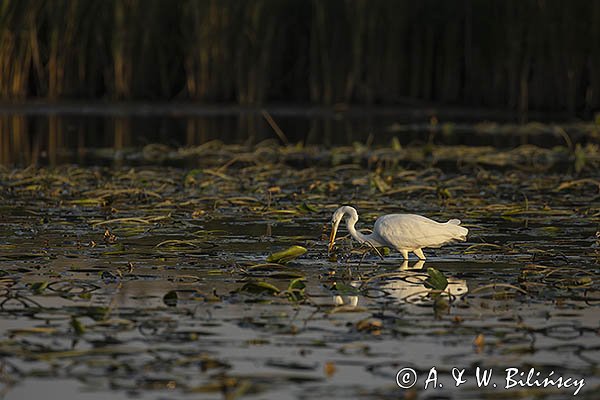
(334, 228)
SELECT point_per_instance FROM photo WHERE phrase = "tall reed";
(514, 54)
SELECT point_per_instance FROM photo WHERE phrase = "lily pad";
(170, 299)
(287, 255)
(38, 287)
(436, 280)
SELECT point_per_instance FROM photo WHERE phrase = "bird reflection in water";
(407, 285)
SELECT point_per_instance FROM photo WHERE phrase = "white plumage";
(403, 232)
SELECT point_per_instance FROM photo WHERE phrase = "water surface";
(133, 282)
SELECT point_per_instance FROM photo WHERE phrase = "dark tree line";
(512, 54)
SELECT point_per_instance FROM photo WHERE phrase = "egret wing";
(410, 231)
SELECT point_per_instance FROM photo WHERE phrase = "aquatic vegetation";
(286, 255)
(215, 280)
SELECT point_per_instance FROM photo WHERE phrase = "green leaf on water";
(98, 313)
(286, 255)
(295, 290)
(38, 287)
(297, 284)
(436, 280)
(77, 326)
(259, 287)
(170, 299)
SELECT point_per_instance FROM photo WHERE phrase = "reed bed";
(519, 55)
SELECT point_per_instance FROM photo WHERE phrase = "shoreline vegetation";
(214, 157)
(536, 56)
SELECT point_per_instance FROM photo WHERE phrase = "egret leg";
(404, 254)
(419, 254)
(404, 266)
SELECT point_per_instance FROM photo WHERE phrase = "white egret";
(403, 232)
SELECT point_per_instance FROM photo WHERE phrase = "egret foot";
(404, 254)
(419, 253)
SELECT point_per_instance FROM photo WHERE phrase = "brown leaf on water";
(329, 368)
(372, 325)
(479, 342)
(410, 394)
(109, 237)
(32, 331)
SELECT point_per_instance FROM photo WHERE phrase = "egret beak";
(334, 228)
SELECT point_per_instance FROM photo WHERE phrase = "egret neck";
(351, 218)
(361, 238)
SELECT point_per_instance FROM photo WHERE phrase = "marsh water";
(142, 272)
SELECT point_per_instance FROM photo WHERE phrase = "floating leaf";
(479, 342)
(436, 279)
(372, 325)
(38, 287)
(295, 290)
(259, 287)
(297, 284)
(440, 304)
(170, 299)
(98, 313)
(329, 369)
(286, 255)
(77, 326)
(32, 331)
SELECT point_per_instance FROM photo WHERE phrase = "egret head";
(337, 218)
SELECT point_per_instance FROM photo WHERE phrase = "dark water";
(99, 133)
